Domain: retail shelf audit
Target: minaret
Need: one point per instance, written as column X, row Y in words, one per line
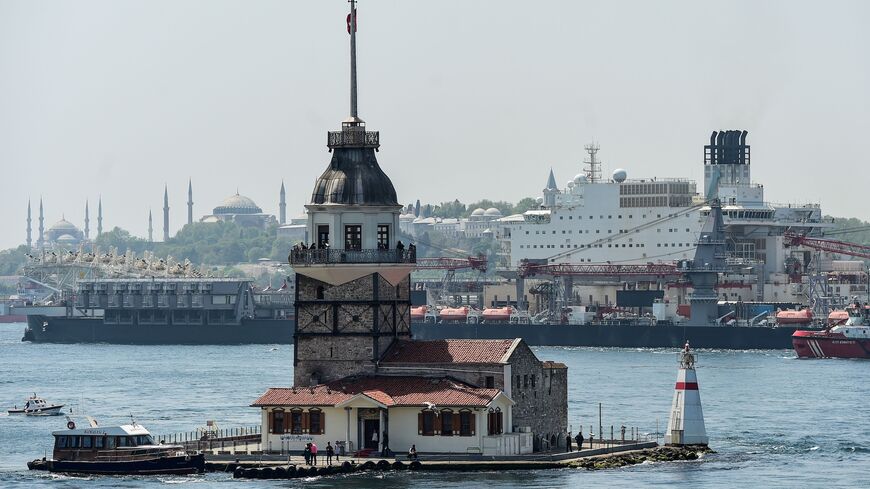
column 353, row 293
column 165, row 213
column 550, row 190
column 40, row 240
column 282, row 206
column 87, row 222
column 29, row 229
column 150, row 227
column 100, row 216
column 189, row 202
column 686, row 422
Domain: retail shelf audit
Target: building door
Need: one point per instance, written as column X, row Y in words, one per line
column 322, row 236
column 371, row 433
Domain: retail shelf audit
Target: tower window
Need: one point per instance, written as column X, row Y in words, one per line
column 353, row 237
column 383, row 236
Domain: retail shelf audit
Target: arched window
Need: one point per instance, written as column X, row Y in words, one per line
column 447, row 422
column 494, row 422
column 320, row 292
column 277, row 422
column 316, row 422
column 466, row 423
column 296, row 421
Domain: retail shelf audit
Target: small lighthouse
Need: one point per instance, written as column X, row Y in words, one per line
column 686, row 422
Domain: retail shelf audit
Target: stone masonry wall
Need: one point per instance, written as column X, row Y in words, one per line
column 540, row 394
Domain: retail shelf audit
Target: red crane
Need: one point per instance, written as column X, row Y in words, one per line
column 832, row 245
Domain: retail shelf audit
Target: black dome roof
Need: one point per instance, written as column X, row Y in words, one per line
column 354, row 178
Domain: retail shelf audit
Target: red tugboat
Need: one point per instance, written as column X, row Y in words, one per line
column 849, row 339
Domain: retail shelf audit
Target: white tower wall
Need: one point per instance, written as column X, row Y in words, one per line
column 686, row 422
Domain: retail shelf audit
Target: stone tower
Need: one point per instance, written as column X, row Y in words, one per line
column 352, row 293
column 189, row 202
column 165, row 213
column 87, row 222
column 282, row 206
column 29, row 228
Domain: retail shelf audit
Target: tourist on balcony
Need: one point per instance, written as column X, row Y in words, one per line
column 412, row 251
column 400, row 250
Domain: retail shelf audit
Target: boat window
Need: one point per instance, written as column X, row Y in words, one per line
column 99, row 441
column 87, row 442
column 110, row 442
column 122, row 441
column 60, row 442
column 73, row 442
column 144, row 440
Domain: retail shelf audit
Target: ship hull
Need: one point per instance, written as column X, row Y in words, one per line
column 45, row 329
column 815, row 344
column 617, row 335
column 191, row 464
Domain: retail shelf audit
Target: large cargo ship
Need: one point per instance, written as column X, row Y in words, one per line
column 168, row 311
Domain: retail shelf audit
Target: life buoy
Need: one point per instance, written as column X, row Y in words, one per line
column 71, row 425
column 187, row 458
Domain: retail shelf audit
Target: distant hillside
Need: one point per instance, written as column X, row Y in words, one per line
column 850, row 230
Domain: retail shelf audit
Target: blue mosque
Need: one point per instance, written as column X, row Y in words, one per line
column 236, row 208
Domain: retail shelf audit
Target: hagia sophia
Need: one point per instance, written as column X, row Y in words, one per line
column 236, row 208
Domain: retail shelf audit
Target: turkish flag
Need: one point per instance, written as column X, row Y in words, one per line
column 348, row 21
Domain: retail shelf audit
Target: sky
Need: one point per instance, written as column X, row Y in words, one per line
column 473, row 99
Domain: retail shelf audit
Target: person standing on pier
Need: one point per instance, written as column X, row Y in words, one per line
column 329, row 453
column 568, row 442
column 313, row 453
column 579, row 440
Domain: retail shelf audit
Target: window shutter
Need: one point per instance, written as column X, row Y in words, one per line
column 305, row 422
column 269, row 417
column 322, row 423
column 473, row 423
column 456, row 424
column 287, row 416
column 419, row 423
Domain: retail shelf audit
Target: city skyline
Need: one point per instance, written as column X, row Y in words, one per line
column 232, row 96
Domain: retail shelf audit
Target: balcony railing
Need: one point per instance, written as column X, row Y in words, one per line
column 321, row 257
column 366, row 139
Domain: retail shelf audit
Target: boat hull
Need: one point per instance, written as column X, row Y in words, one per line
column 46, row 329
column 616, row 335
column 819, row 344
column 190, row 464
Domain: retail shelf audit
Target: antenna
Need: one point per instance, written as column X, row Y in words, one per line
column 592, row 165
column 351, row 28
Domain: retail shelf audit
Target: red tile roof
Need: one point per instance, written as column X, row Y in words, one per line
column 449, row 351
column 389, row 391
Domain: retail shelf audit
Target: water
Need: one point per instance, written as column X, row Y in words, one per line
column 775, row 421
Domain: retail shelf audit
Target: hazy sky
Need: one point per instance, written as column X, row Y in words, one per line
column 473, row 99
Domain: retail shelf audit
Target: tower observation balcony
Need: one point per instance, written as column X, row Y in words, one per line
column 305, row 258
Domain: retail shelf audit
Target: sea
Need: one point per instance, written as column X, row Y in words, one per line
column 773, row 420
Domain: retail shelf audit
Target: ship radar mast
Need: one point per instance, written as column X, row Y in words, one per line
column 592, row 165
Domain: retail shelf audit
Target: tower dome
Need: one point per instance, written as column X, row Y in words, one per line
column 354, row 178
column 237, row 204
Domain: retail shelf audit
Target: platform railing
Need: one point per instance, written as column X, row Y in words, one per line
column 330, row 256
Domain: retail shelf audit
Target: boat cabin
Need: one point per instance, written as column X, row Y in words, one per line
column 97, row 442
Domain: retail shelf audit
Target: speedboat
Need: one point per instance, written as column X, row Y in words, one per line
column 37, row 406
column 116, row 450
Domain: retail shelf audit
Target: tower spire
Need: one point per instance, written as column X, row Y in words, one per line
column 165, row 213
column 189, row 201
column 351, row 29
column 100, row 216
column 150, row 227
column 87, row 222
column 282, row 205
column 40, row 240
column 29, row 228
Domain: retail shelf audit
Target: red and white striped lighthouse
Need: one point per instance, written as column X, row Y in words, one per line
column 686, row 423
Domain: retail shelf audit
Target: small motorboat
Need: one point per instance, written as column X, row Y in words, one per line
column 37, row 406
column 116, row 450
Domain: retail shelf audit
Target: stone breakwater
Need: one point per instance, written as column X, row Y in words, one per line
column 660, row 454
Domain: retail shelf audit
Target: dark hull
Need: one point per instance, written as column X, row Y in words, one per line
column 624, row 336
column 93, row 330
column 191, row 464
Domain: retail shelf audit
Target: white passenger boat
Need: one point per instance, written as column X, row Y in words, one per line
column 37, row 406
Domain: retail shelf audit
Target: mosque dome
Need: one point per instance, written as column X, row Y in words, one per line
column 478, row 212
column 66, row 238
column 492, row 212
column 354, row 178
column 64, row 227
column 237, row 204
